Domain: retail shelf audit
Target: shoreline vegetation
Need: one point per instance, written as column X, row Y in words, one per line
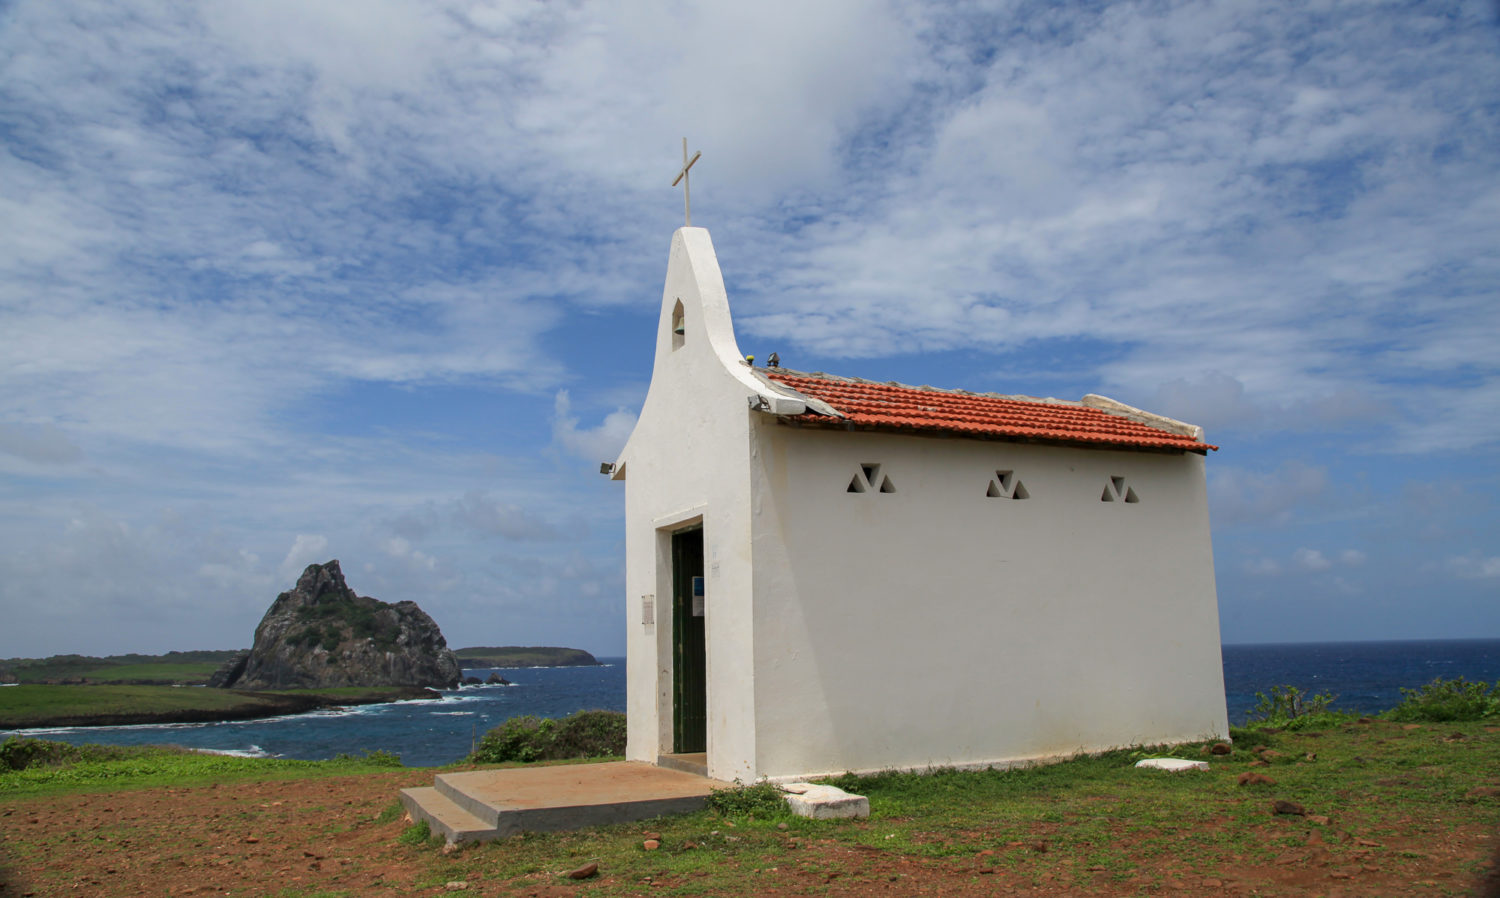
column 33, row 706
column 123, row 690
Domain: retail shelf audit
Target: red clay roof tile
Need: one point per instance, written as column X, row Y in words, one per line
column 897, row 407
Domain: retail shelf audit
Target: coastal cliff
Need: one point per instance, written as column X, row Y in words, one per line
column 321, row 635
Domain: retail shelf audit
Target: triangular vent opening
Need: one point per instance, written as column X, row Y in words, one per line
column 1005, row 485
column 1117, row 490
column 868, row 479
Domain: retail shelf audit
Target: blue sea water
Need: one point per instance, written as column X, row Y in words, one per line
column 1366, row 676
column 423, row 733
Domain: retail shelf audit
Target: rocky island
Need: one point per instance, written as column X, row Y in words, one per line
column 321, row 635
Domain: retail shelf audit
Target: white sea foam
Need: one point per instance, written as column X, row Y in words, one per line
column 254, row 751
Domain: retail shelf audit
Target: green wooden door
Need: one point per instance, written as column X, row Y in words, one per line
column 689, row 670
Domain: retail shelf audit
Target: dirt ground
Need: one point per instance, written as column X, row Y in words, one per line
column 325, row 836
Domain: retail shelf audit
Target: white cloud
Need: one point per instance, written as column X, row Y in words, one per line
column 600, row 443
column 1311, row 560
column 1474, row 567
column 1262, row 567
column 43, row 444
column 1240, row 496
column 306, row 549
column 401, row 549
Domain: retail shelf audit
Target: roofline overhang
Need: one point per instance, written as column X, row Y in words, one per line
column 815, row 423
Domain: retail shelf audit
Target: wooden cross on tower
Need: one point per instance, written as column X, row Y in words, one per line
column 687, row 203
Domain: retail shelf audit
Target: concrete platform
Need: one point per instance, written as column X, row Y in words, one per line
column 479, row 805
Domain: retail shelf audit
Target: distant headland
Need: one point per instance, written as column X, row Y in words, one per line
column 523, row 656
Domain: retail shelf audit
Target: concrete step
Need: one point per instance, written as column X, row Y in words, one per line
column 694, row 763
column 445, row 817
column 478, row 805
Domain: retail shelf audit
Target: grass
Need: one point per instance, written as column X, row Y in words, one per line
column 30, row 705
column 1080, row 823
column 187, row 674
column 98, row 768
column 193, row 666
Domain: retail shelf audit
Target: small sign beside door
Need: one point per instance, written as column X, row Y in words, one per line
column 697, row 597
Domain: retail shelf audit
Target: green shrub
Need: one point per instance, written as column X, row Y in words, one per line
column 518, row 739
column 20, row 752
column 1448, row 700
column 586, row 734
column 590, row 734
column 1287, row 703
column 755, row 800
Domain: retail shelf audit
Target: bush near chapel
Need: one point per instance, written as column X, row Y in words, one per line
column 1448, row 700
column 586, row 734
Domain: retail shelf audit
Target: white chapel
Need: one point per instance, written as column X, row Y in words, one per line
column 827, row 574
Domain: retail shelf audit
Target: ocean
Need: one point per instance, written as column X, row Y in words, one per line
column 1365, row 676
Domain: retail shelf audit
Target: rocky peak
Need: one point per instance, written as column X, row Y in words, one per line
column 322, row 635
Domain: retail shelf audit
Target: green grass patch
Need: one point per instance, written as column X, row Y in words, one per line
column 187, row 674
column 29, row 705
column 89, row 768
column 169, row 666
column 1094, row 820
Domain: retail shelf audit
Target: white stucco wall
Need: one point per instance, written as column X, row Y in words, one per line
column 938, row 626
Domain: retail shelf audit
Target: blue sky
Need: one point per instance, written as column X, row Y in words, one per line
column 288, row 280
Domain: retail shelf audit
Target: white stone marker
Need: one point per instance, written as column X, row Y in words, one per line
column 1172, row 765
column 824, row 802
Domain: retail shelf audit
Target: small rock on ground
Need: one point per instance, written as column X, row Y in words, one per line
column 584, row 872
